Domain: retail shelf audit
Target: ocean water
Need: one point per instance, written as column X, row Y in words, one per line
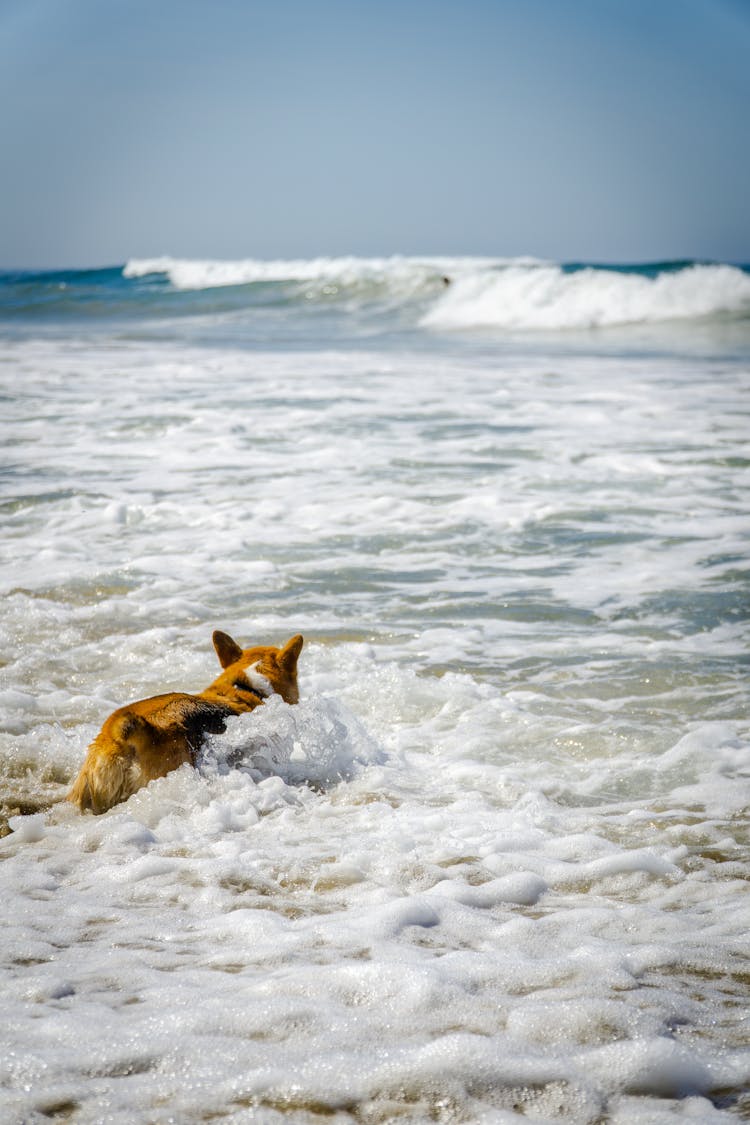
column 494, row 866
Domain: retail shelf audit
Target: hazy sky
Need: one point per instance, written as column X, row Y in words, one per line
column 567, row 129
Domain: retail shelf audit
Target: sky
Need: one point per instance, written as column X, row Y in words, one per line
column 597, row 130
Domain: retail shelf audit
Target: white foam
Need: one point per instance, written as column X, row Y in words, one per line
column 400, row 273
column 519, row 293
column 317, row 741
column 548, row 298
column 492, row 863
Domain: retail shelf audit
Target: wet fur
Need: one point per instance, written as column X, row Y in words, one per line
column 149, row 738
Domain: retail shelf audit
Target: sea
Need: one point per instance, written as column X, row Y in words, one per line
column 494, row 866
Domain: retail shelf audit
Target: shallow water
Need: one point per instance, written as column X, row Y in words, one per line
column 494, row 866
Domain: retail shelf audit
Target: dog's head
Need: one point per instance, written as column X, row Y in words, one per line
column 261, row 670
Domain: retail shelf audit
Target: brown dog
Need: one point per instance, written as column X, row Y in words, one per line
column 147, row 739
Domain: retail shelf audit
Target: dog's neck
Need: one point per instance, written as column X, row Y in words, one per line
column 248, row 689
column 242, row 692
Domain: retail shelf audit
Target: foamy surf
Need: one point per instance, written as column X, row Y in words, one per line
column 470, row 293
column 493, row 866
column 547, row 297
column 317, row 742
column 400, row 273
column 432, row 930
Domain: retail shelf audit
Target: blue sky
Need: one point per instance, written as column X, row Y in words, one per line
column 568, row 129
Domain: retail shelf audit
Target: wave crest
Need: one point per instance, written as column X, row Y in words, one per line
column 548, row 297
column 465, row 293
column 398, row 273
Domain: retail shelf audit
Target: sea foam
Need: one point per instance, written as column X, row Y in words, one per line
column 400, row 274
column 493, row 866
column 547, row 297
column 467, row 293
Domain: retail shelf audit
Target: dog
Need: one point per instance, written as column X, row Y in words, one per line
column 151, row 737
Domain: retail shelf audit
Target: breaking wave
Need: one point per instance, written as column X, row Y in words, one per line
column 435, row 294
column 547, row 296
column 521, row 293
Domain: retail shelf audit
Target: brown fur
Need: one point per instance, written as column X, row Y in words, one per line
column 147, row 739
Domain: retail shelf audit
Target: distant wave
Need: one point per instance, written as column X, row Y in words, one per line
column 187, row 273
column 520, row 293
column 396, row 277
column 435, row 294
column 546, row 297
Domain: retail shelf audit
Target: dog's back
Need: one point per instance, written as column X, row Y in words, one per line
column 154, row 736
column 141, row 742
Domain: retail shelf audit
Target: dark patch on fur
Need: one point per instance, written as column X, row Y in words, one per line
column 200, row 718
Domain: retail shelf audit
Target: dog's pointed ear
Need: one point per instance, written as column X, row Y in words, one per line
column 290, row 652
column 227, row 650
